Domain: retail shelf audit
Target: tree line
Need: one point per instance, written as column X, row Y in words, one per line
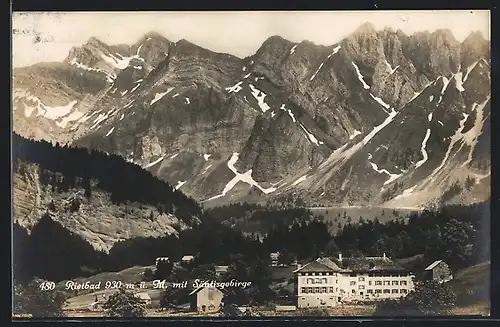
column 454, row 234
column 255, row 218
column 457, row 234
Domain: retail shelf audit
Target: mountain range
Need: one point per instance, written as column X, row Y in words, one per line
column 380, row 118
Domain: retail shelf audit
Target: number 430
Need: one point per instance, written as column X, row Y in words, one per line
column 47, row 286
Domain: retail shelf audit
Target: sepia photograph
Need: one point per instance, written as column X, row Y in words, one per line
column 196, row 164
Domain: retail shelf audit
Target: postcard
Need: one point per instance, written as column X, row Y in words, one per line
column 251, row 164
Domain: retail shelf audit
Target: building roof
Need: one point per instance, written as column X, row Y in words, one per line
column 274, row 255
column 433, row 265
column 202, row 287
column 366, row 264
column 329, row 263
column 187, row 257
column 143, row 296
column 362, row 264
column 319, row 265
column 221, row 268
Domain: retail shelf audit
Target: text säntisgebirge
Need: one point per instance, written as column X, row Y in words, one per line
column 155, row 284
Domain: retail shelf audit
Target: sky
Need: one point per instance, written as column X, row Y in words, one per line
column 47, row 37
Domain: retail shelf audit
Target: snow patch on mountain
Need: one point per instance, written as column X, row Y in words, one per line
column 100, row 119
column 235, row 88
column 259, row 96
column 454, row 139
column 135, row 87
column 206, row 156
column 73, row 116
column 392, row 177
column 354, row 134
column 245, row 177
column 28, row 110
column 311, row 137
column 175, row 95
column 381, row 102
column 471, row 136
column 57, row 112
column 422, row 149
column 124, row 92
column 120, row 63
column 316, row 72
column 109, row 76
column 293, row 49
column 158, row 96
column 123, row 115
column 290, row 113
column 446, row 81
column 300, row 180
column 173, row 156
column 247, row 75
column 206, row 169
column 360, row 77
column 128, row 104
column 431, row 98
column 391, row 71
column 110, row 131
column 341, row 154
column 469, row 69
column 458, row 82
column 406, row 193
column 154, row 162
column 335, row 50
column 188, row 101
column 87, row 116
column 179, row 184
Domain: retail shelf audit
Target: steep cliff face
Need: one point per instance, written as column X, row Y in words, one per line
column 98, row 220
column 368, row 120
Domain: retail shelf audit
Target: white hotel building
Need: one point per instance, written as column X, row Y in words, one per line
column 327, row 282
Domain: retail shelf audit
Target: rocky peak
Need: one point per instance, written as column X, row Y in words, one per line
column 95, row 42
column 274, row 43
column 364, row 29
column 473, row 48
column 155, row 36
column 475, row 37
column 444, row 41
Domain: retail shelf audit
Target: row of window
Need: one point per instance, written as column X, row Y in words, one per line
column 385, row 283
column 353, row 283
column 350, row 275
column 318, row 281
column 314, row 290
column 387, row 291
column 318, row 274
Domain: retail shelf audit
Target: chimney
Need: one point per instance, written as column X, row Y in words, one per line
column 340, row 257
column 384, row 256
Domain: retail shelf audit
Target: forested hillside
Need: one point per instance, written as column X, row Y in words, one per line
column 79, row 167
